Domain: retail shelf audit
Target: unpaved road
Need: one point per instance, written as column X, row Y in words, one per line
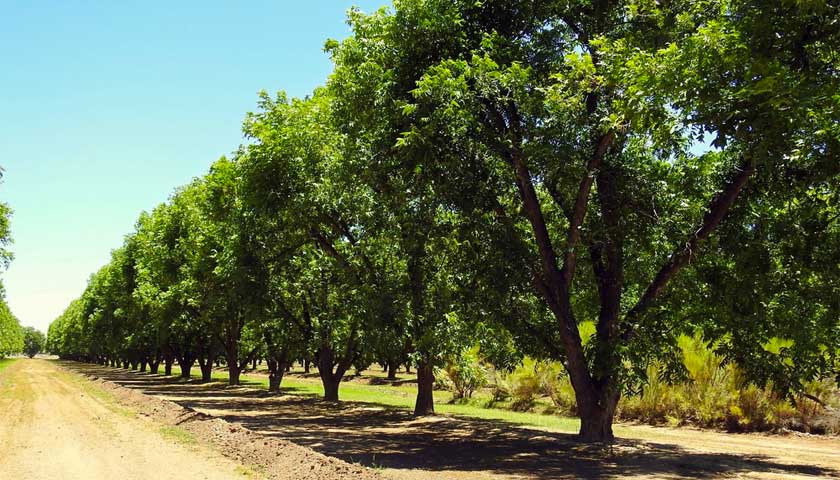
column 458, row 448
column 55, row 425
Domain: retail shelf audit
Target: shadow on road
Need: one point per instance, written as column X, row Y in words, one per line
column 378, row 436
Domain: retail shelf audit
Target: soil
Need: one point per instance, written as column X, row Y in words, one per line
column 448, row 447
column 58, row 425
column 53, row 428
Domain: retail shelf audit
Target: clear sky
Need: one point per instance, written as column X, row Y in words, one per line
column 106, row 107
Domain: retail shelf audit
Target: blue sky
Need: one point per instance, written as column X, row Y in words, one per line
column 106, row 107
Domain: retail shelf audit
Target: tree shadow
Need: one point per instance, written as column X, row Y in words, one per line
column 381, row 436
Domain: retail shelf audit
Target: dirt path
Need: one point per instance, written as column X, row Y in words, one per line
column 439, row 448
column 57, row 426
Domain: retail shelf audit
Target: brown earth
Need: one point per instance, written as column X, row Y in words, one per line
column 447, row 447
column 57, row 425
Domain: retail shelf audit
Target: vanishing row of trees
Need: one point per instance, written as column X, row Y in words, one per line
column 11, row 333
column 496, row 173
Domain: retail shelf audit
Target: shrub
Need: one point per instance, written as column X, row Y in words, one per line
column 658, row 402
column 524, row 385
column 465, row 374
column 500, row 387
column 555, row 384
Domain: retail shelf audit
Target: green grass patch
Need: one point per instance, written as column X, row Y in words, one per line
column 5, row 362
column 178, row 435
column 402, row 397
column 7, row 384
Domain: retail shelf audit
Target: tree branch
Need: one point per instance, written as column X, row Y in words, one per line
column 718, row 208
column 579, row 210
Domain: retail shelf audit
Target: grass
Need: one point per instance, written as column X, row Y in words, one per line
column 5, row 362
column 178, row 434
column 247, row 472
column 6, row 383
column 402, row 397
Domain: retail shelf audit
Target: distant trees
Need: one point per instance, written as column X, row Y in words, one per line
column 33, row 341
column 495, row 174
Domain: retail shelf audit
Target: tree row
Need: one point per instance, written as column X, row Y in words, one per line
column 498, row 174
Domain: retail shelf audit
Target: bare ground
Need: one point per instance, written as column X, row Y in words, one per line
column 58, row 425
column 52, row 427
column 447, row 447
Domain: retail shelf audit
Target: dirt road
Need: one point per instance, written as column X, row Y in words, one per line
column 458, row 448
column 54, row 425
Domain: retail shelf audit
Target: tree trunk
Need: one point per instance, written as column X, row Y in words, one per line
column 596, row 420
column 254, row 363
column 143, row 364
column 392, row 370
column 154, row 366
column 186, row 364
column 425, row 404
column 125, row 364
column 206, row 366
column 408, row 368
column 167, row 365
column 133, row 364
column 328, row 379
column 306, row 365
column 274, row 382
column 330, row 388
column 233, row 372
column 276, row 369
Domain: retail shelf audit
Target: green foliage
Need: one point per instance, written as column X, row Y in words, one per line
column 11, row 333
column 33, row 341
column 465, row 373
column 717, row 394
column 584, row 186
column 5, row 235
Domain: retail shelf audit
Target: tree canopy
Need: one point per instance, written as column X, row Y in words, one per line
column 33, row 341
column 497, row 172
column 11, row 335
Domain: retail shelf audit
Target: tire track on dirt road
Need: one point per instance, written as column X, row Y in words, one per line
column 56, row 426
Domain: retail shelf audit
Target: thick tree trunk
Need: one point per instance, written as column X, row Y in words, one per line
column 125, row 364
column 274, row 381
column 276, row 369
column 306, row 365
column 330, row 388
column 186, row 364
column 596, row 419
column 206, row 366
column 425, row 404
column 392, row 370
column 330, row 380
column 154, row 366
column 167, row 365
column 133, row 364
column 143, row 364
column 233, row 372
